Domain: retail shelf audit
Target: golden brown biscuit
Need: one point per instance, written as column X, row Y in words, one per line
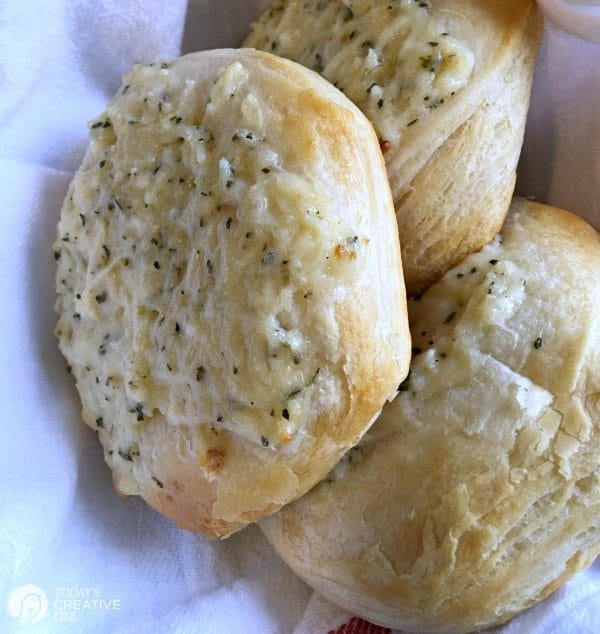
column 230, row 288
column 446, row 85
column 477, row 492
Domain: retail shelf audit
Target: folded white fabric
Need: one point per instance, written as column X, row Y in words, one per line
column 74, row 557
column 578, row 17
column 560, row 161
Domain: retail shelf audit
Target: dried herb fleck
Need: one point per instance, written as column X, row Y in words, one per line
column 450, row 317
column 126, row 455
column 139, row 408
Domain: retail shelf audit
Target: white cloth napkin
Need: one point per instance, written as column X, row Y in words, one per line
column 575, row 16
column 74, row 557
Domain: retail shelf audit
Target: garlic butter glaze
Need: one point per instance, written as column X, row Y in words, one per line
column 231, row 294
column 446, row 85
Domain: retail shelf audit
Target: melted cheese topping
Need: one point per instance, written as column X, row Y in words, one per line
column 476, row 343
column 198, row 272
column 396, row 61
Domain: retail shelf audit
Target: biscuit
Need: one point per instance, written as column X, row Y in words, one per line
column 446, row 84
column 477, row 491
column 230, row 286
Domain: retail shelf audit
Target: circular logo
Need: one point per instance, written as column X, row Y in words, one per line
column 27, row 604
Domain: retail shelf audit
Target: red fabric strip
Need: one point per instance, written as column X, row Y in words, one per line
column 357, row 625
